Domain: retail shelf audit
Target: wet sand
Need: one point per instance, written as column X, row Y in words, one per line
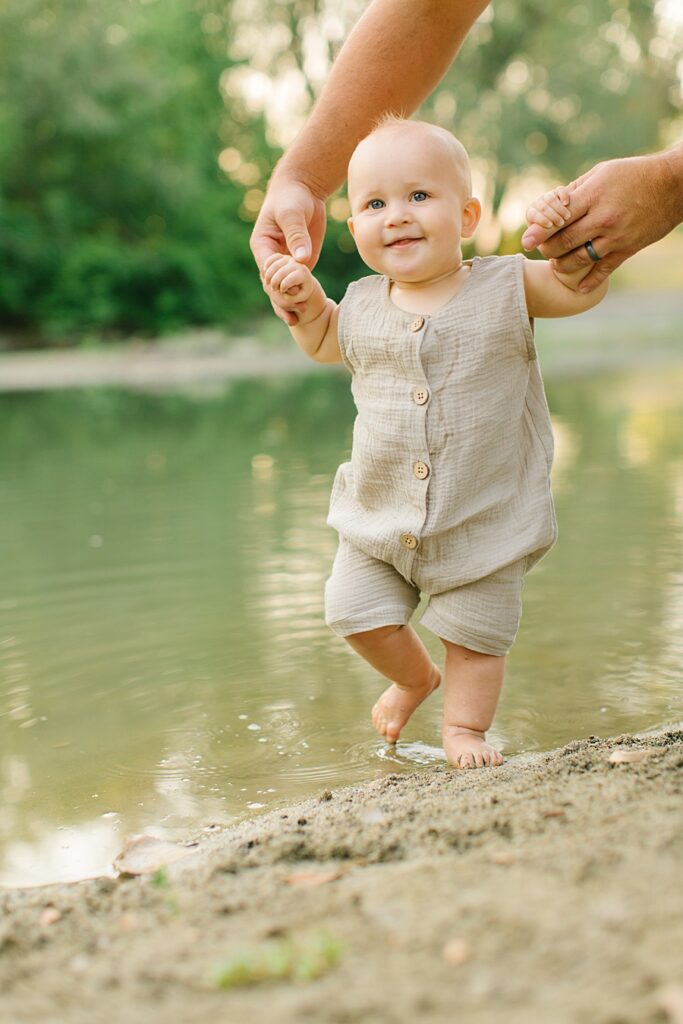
column 549, row 890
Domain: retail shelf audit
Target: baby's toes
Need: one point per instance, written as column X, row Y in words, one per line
column 392, row 732
column 466, row 761
column 493, row 758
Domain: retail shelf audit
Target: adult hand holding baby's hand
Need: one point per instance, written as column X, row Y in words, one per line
column 292, row 220
column 288, row 282
column 550, row 212
column 618, row 207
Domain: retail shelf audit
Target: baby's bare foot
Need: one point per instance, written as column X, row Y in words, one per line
column 397, row 703
column 467, row 748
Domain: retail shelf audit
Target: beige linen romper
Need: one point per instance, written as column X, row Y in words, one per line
column 448, row 487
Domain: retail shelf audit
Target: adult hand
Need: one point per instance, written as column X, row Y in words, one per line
column 620, row 206
column 291, row 221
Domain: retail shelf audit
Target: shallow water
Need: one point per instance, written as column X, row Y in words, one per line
column 164, row 665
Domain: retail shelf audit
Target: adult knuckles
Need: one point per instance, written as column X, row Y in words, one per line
column 609, row 219
column 564, row 242
column 570, row 238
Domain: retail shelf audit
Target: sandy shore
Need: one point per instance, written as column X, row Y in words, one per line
column 549, row 890
column 200, row 361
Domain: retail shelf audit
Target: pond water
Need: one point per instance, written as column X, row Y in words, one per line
column 164, row 665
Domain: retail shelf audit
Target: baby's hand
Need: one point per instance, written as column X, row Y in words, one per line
column 290, row 279
column 551, row 210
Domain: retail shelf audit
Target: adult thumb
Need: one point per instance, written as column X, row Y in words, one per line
column 533, row 236
column 293, row 226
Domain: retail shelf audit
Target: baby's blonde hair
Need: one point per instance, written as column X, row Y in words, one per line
column 457, row 150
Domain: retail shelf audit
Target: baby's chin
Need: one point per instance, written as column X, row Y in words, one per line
column 422, row 279
column 418, row 275
column 411, row 278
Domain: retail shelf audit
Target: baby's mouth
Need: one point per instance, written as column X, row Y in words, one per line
column 403, row 243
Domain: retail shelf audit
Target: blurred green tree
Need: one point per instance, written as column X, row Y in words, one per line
column 136, row 138
column 114, row 215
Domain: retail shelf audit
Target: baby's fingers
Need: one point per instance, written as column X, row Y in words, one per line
column 564, row 193
column 273, row 264
column 551, row 209
column 274, row 259
column 293, row 282
column 279, row 274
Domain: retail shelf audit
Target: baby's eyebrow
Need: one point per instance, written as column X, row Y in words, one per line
column 364, row 197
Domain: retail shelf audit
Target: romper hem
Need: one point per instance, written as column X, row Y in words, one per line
column 463, row 637
column 387, row 616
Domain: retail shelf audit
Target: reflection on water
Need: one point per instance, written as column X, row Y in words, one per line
column 164, row 665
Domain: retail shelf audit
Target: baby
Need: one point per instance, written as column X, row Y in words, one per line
column 448, row 489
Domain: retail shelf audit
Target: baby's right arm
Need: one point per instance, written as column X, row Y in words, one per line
column 316, row 330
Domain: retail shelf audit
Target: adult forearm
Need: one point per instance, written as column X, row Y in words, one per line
column 394, row 57
column 672, row 164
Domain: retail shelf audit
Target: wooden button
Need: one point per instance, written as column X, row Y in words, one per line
column 420, row 396
column 408, row 541
column 417, row 324
column 421, row 470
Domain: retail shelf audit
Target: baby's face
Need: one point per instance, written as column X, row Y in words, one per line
column 410, row 204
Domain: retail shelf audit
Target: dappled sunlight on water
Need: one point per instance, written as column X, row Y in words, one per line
column 164, row 664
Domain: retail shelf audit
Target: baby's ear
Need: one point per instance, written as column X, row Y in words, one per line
column 349, row 224
column 471, row 215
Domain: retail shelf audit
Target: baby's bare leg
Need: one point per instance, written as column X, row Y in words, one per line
column 472, row 685
column 399, row 654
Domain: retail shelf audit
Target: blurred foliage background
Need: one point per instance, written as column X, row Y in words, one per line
column 137, row 136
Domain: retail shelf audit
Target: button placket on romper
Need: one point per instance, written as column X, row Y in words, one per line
column 419, row 468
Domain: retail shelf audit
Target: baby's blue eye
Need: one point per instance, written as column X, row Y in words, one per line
column 376, row 204
column 419, row 197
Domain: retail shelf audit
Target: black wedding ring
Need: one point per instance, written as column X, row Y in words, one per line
column 592, row 253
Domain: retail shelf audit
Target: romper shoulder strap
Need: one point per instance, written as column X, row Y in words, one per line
column 362, row 301
column 502, row 279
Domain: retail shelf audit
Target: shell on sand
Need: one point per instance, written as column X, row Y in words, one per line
column 631, row 756
column 143, row 855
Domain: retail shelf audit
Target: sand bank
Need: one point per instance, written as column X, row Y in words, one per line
column 549, row 890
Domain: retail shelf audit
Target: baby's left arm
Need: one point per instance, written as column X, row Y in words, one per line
column 550, row 293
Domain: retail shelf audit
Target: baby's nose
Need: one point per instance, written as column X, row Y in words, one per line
column 397, row 213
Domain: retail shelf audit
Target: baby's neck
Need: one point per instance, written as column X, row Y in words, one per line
column 428, row 296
